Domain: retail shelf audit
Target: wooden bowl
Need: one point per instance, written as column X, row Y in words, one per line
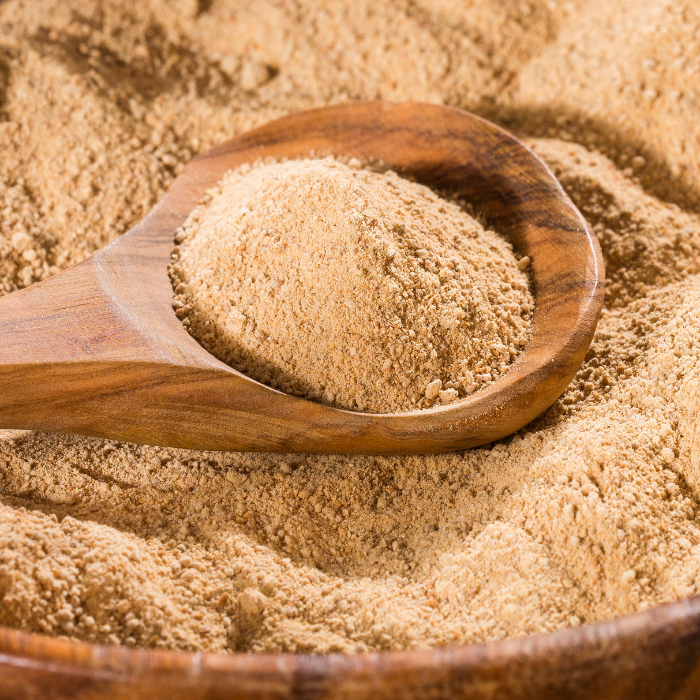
column 648, row 656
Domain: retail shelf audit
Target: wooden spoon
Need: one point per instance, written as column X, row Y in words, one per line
column 98, row 350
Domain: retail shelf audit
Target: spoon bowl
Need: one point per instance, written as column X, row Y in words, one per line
column 98, row 350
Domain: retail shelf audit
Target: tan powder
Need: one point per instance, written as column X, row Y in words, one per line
column 589, row 513
column 358, row 289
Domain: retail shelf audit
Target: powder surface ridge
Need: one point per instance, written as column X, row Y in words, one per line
column 359, row 289
column 589, row 513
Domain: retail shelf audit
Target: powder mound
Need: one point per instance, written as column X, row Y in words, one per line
column 355, row 288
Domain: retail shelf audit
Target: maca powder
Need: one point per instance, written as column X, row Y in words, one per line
column 588, row 513
column 361, row 290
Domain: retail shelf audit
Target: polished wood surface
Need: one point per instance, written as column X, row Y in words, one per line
column 653, row 655
column 99, row 351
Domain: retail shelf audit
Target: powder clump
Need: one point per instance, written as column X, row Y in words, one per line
column 355, row 288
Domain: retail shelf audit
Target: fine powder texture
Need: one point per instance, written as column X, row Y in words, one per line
column 357, row 289
column 589, row 513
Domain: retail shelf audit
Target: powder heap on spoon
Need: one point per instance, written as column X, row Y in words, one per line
column 348, row 286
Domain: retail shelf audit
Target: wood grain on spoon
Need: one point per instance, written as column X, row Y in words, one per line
column 99, row 351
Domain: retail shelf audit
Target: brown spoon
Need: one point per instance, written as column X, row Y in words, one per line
column 98, row 350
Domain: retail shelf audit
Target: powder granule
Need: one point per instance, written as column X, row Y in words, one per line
column 359, row 289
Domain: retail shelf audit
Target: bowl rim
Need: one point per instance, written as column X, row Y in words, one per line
column 663, row 632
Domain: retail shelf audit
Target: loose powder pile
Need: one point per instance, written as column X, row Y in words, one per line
column 358, row 289
column 590, row 512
